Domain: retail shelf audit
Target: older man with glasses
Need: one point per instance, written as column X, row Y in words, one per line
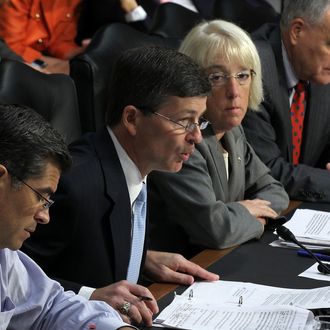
column 291, row 132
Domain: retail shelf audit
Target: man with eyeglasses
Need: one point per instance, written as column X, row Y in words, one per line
column 98, row 234
column 291, row 132
column 224, row 194
column 32, row 157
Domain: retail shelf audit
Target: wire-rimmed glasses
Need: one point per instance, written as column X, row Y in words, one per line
column 188, row 127
column 47, row 202
column 221, row 78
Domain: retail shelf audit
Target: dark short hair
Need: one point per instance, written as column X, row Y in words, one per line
column 147, row 76
column 28, row 142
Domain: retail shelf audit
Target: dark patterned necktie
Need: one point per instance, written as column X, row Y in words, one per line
column 297, row 119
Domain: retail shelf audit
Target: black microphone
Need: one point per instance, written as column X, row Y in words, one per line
column 287, row 235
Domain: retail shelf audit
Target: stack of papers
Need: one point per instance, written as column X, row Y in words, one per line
column 312, row 228
column 237, row 305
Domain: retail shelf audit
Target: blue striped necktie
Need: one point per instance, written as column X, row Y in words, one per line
column 138, row 234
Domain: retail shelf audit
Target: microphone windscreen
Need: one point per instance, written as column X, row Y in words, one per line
column 322, row 269
column 286, row 234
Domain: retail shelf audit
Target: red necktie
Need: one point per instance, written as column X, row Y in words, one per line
column 297, row 119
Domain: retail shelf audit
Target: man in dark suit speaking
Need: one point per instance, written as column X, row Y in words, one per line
column 291, row 132
column 98, row 228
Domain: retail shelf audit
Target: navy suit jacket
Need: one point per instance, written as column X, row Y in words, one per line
column 87, row 241
column 205, row 8
column 96, row 13
column 269, row 131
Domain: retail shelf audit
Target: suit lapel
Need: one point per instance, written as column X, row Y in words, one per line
column 236, row 181
column 214, row 150
column 117, row 191
column 313, row 120
column 272, row 66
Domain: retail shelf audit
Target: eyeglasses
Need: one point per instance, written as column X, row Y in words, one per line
column 189, row 127
column 47, row 202
column 221, row 78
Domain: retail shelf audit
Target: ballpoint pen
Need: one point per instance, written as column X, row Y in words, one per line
column 145, row 298
column 240, row 301
column 321, row 256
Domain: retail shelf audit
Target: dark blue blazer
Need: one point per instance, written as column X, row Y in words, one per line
column 87, row 241
column 96, row 13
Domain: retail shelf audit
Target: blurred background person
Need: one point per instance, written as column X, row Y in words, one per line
column 42, row 32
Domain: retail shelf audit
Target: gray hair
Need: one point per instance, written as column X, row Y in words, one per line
column 312, row 11
column 210, row 40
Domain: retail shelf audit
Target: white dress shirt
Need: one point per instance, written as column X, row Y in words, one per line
column 291, row 77
column 132, row 174
column 137, row 14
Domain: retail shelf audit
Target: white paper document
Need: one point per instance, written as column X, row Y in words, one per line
column 239, row 305
column 197, row 315
column 313, row 273
column 229, row 293
column 285, row 244
column 310, row 226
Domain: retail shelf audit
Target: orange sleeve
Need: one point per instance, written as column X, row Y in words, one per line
column 14, row 20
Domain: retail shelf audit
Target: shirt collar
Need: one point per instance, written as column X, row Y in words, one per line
column 291, row 77
column 132, row 174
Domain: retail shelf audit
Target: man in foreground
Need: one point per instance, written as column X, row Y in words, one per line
column 32, row 156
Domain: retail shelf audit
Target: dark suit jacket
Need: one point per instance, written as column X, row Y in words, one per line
column 96, row 13
column 269, row 131
column 87, row 241
column 205, row 8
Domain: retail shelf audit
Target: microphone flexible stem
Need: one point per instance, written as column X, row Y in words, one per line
column 287, row 235
column 324, row 267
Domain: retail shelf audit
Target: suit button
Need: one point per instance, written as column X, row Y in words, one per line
column 37, row 15
column 68, row 15
column 40, row 41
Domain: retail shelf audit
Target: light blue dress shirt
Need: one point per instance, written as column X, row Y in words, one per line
column 31, row 300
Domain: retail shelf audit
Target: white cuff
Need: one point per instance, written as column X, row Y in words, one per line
column 86, row 292
column 137, row 14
